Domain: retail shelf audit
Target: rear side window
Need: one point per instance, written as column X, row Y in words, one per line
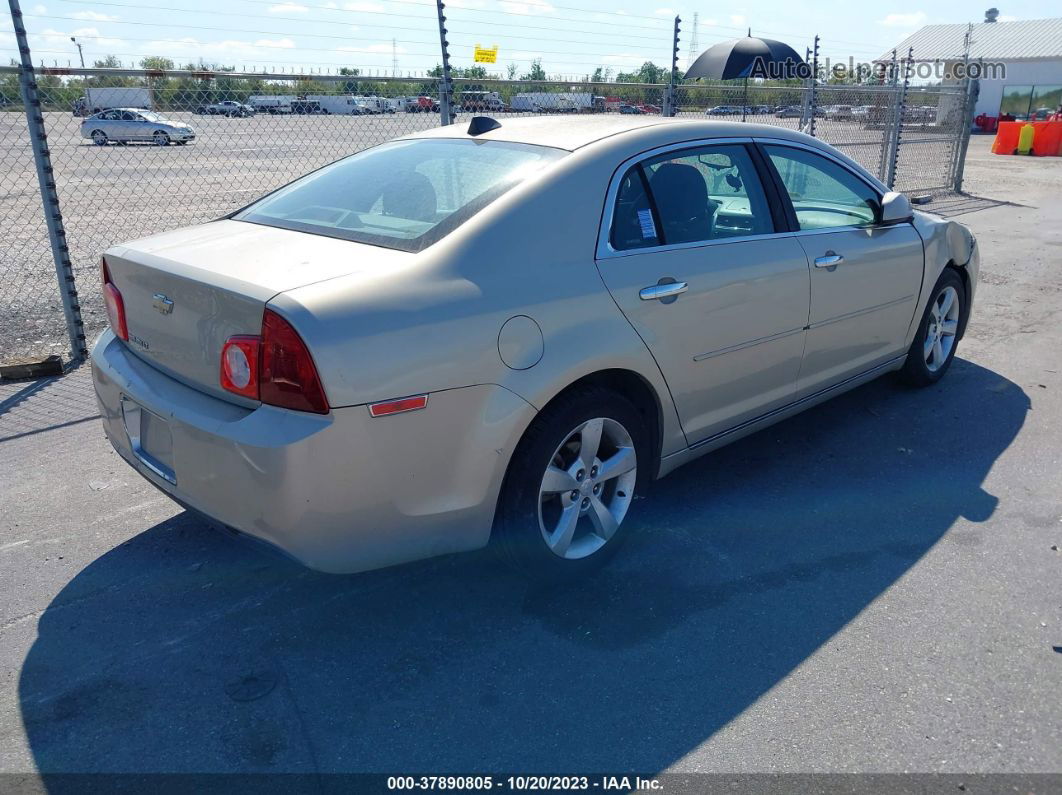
column 824, row 194
column 694, row 195
column 404, row 195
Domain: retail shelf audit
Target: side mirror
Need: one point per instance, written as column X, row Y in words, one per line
column 895, row 208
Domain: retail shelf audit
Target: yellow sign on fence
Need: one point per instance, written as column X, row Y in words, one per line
column 486, row 55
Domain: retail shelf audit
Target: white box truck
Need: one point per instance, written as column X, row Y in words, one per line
column 374, row 104
column 99, row 99
column 271, row 103
column 335, row 104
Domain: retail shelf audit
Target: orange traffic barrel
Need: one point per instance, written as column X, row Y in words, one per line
column 1048, row 140
column 1006, row 138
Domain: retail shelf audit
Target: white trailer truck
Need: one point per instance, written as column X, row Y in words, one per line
column 99, row 99
column 562, row 102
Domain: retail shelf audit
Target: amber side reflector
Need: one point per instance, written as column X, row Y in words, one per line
column 398, row 406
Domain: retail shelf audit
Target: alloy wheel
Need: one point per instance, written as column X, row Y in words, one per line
column 942, row 329
column 587, row 488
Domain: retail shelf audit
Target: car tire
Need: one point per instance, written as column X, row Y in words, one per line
column 160, row 138
column 545, row 530
column 937, row 338
column 99, row 137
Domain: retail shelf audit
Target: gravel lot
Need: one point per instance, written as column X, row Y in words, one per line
column 871, row 587
column 116, row 193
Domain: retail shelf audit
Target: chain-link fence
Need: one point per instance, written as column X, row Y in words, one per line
column 133, row 152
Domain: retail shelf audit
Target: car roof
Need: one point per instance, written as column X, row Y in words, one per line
column 575, row 132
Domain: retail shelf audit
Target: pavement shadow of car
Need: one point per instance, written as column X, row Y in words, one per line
column 181, row 650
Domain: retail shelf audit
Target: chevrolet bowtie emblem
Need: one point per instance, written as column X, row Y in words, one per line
column 163, row 304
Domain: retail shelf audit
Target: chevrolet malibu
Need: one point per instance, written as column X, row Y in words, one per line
column 503, row 333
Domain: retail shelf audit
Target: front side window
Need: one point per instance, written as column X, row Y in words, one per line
column 824, row 194
column 404, row 195
column 695, row 195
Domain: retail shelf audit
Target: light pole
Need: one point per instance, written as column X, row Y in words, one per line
column 80, row 54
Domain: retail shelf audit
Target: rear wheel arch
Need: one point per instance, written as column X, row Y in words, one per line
column 630, row 385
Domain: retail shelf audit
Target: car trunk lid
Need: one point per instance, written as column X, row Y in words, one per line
column 186, row 292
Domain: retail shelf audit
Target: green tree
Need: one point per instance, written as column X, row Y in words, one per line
column 156, row 62
column 536, row 73
column 108, row 62
column 647, row 73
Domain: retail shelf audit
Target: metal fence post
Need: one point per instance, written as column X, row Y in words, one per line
column 53, row 216
column 668, row 108
column 813, row 99
column 887, row 123
column 901, row 109
column 446, row 87
column 970, row 103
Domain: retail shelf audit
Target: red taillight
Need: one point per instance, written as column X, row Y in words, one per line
column 275, row 368
column 112, row 299
column 239, row 365
column 288, row 376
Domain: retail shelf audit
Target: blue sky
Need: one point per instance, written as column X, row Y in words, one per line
column 572, row 37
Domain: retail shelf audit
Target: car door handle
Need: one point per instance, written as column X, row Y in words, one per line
column 658, row 291
column 829, row 260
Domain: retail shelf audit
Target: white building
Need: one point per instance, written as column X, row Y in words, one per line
column 1028, row 53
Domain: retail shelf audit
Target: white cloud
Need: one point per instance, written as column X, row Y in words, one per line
column 94, row 16
column 286, row 44
column 623, row 59
column 739, row 19
column 38, row 9
column 288, row 8
column 361, row 6
column 912, row 20
column 374, row 48
column 665, row 12
column 61, row 39
column 527, row 7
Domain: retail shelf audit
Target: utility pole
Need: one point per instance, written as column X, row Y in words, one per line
column 80, row 54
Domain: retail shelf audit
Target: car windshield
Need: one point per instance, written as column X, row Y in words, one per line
column 404, row 195
column 149, row 116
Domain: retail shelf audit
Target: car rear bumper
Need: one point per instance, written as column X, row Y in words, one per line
column 340, row 492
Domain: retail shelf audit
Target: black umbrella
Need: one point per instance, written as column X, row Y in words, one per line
column 749, row 57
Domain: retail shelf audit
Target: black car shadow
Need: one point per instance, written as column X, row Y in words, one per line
column 181, row 650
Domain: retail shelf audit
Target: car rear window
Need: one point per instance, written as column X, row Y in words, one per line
column 404, row 195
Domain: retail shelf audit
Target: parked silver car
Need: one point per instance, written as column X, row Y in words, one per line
column 504, row 333
column 123, row 125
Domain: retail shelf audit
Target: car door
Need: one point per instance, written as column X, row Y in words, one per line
column 111, row 124
column 865, row 277
column 690, row 252
column 140, row 129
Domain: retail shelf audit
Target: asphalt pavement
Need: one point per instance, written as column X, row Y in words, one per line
column 872, row 586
